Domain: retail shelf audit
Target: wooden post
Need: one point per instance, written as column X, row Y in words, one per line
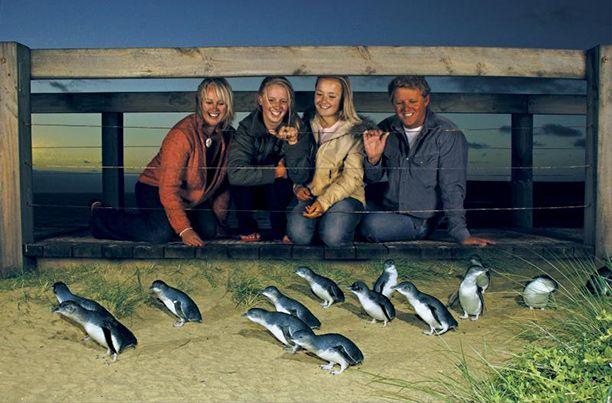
column 598, row 183
column 522, row 178
column 16, row 218
column 112, row 159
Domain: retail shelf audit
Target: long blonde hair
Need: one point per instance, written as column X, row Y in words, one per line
column 347, row 110
column 224, row 92
column 283, row 82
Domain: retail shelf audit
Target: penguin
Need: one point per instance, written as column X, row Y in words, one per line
column 281, row 325
column 538, row 290
column 387, row 279
column 63, row 293
column 284, row 304
column 322, row 287
column 103, row 328
column 429, row 309
column 374, row 303
column 469, row 293
column 177, row 302
column 332, row 347
column 600, row 283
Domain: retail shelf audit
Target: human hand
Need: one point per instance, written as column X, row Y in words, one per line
column 477, row 241
column 314, row 210
column 374, row 142
column 191, row 238
column 289, row 134
column 280, row 171
column 302, row 193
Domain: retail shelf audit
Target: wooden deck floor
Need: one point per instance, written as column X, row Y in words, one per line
column 559, row 243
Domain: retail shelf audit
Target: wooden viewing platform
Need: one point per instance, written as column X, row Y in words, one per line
column 548, row 243
column 19, row 65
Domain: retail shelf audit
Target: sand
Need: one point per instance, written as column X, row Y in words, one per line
column 228, row 357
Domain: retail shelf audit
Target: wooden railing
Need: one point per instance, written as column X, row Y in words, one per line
column 19, row 65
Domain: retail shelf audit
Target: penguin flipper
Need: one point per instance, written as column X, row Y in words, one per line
column 453, row 298
column 336, row 293
column 385, row 304
column 379, row 285
column 106, row 330
column 342, row 351
column 287, row 335
column 481, row 300
column 179, row 310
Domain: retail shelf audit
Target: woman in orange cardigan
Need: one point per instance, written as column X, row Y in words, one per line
column 183, row 191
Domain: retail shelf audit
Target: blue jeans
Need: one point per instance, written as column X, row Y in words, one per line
column 386, row 226
column 336, row 227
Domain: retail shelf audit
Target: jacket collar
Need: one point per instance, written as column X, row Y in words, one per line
column 342, row 130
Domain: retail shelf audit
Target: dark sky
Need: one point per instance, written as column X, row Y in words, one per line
column 154, row 23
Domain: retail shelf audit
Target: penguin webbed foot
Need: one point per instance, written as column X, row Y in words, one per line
column 474, row 318
column 180, row 323
column 342, row 368
column 292, row 349
column 430, row 333
column 464, row 316
column 327, row 367
column 373, row 321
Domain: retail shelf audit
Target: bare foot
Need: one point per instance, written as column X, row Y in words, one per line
column 254, row 237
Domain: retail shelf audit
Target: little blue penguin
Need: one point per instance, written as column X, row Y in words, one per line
column 538, row 290
column 387, row 279
column 374, row 303
column 428, row 308
column 281, row 325
column 470, row 294
column 101, row 327
column 322, row 287
column 332, row 347
column 600, row 283
column 63, row 293
column 177, row 302
column 284, row 304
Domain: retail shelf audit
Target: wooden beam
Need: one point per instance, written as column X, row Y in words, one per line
column 113, row 187
column 598, row 185
column 16, row 218
column 522, row 172
column 131, row 102
column 306, row 61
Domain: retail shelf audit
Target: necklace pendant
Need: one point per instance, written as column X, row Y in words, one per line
column 208, row 142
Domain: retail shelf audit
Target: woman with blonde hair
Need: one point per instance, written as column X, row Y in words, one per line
column 267, row 156
column 331, row 202
column 183, row 190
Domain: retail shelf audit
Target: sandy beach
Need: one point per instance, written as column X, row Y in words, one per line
column 228, row 357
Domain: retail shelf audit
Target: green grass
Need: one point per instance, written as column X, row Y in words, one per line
column 568, row 357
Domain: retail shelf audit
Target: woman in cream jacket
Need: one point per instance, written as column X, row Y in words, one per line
column 330, row 204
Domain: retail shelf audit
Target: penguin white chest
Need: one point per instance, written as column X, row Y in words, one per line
column 372, row 308
column 320, row 292
column 469, row 299
column 391, row 282
column 332, row 355
column 425, row 313
column 168, row 303
column 96, row 333
column 278, row 333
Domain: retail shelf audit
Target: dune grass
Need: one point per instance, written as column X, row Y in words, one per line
column 568, row 356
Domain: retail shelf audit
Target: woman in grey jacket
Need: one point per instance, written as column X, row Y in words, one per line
column 265, row 158
column 331, row 202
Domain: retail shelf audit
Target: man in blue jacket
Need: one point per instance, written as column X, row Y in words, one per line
column 424, row 156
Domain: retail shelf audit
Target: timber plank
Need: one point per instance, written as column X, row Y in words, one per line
column 148, row 251
column 123, row 250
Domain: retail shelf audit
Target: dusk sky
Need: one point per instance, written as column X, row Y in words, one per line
column 559, row 140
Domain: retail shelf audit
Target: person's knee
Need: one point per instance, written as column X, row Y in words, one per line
column 369, row 230
column 299, row 232
column 337, row 236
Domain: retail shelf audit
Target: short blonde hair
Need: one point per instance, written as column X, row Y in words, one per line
column 223, row 90
column 347, row 110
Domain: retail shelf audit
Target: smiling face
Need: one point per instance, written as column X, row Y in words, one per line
column 213, row 107
column 328, row 95
column 275, row 102
column 410, row 106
